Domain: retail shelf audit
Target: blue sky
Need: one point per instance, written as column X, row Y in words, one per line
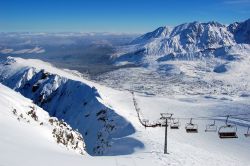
column 114, row 15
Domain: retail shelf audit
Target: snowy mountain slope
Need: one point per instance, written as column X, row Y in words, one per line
column 189, row 59
column 27, row 142
column 184, row 38
column 241, row 31
column 25, row 127
column 160, row 32
column 72, row 100
column 185, row 149
column 225, row 72
column 195, row 39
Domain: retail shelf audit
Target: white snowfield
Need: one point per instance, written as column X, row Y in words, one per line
column 31, row 144
column 189, row 59
column 23, row 140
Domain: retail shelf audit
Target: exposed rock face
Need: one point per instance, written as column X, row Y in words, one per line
column 75, row 102
column 61, row 131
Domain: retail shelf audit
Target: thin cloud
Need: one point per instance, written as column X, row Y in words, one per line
column 239, row 2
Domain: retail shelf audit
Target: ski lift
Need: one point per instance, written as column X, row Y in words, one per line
column 175, row 124
column 211, row 127
column 248, row 132
column 228, row 130
column 191, row 128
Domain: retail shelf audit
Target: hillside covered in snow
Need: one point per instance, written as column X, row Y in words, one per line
column 193, row 37
column 28, row 131
column 75, row 102
column 129, row 142
column 188, row 41
column 189, row 59
column 198, row 72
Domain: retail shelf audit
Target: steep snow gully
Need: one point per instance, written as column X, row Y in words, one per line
column 80, row 105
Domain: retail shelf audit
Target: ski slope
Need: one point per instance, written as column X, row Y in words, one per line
column 184, row 149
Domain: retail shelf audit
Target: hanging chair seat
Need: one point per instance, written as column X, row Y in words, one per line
column 228, row 135
column 174, row 127
column 175, row 124
column 191, row 128
column 211, row 128
column 228, row 131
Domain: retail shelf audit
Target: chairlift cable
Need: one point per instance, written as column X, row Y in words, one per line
column 211, row 117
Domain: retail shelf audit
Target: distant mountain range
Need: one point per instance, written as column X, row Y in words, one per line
column 194, row 37
column 191, row 58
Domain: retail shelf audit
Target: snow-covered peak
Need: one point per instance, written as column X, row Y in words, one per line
column 241, row 31
column 160, row 32
column 195, row 27
column 188, row 40
column 189, row 37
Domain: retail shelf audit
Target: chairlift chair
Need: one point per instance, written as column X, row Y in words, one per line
column 248, row 132
column 211, row 127
column 175, row 124
column 191, row 128
column 228, row 130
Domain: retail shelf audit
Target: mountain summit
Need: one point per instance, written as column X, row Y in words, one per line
column 193, row 37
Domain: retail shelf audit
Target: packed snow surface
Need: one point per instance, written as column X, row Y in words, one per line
column 140, row 147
